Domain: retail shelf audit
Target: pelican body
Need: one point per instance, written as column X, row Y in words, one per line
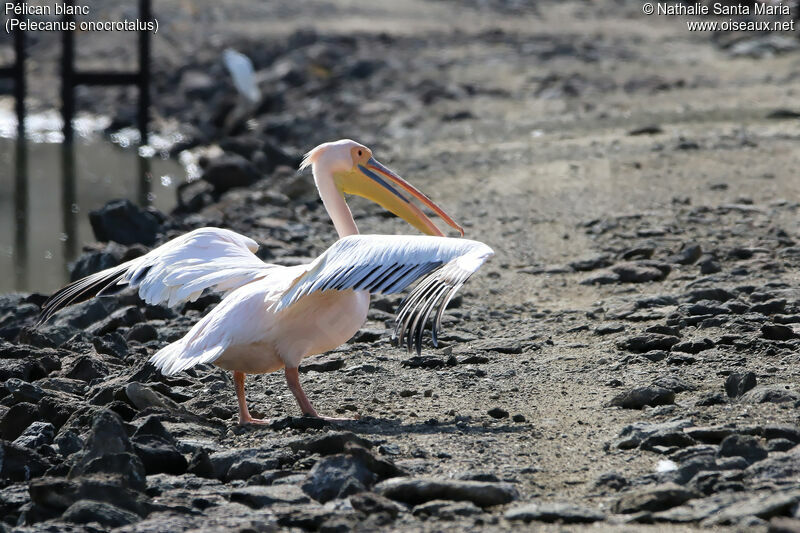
column 273, row 316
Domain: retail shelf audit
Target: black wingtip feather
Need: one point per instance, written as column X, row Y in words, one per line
column 434, row 292
column 78, row 291
column 415, row 313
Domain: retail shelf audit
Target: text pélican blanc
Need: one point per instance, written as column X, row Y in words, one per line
column 25, row 9
column 12, row 8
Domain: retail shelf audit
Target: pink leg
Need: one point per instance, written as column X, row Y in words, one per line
column 244, row 413
column 293, row 380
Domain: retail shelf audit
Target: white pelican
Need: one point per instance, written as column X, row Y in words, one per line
column 274, row 316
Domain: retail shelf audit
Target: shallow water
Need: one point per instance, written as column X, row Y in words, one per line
column 48, row 189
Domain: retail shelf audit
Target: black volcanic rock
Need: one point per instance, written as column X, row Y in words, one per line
column 737, row 383
column 158, row 455
column 105, row 514
column 157, row 448
column 641, row 271
column 18, row 463
column 57, row 493
column 420, row 490
column 777, row 332
column 746, row 446
column 108, row 450
column 642, row 396
column 656, row 498
column 647, row 342
column 16, row 419
column 125, row 223
column 560, row 512
column 228, row 172
column 338, row 476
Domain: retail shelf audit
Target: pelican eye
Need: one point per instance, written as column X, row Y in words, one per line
column 360, row 153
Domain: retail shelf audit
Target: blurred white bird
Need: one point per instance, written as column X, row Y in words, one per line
column 243, row 74
column 275, row 316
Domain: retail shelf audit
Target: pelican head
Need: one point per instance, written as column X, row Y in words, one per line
column 354, row 171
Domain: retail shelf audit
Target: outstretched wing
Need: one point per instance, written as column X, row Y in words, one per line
column 176, row 271
column 388, row 264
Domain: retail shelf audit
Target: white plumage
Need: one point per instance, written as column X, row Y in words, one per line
column 274, row 316
column 176, row 271
column 383, row 263
column 182, row 268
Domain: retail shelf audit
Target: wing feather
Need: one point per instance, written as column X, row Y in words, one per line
column 176, row 271
column 388, row 264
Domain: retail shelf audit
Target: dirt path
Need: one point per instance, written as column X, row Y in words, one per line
column 638, row 183
column 547, row 150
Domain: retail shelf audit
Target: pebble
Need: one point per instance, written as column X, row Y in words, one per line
column 109, row 450
column 777, row 332
column 158, row 450
column 709, row 265
column 590, row 263
column 612, row 480
column 370, row 503
column 647, row 342
column 497, row 412
column 693, row 347
column 424, row 361
column 640, row 397
column 746, row 446
column 57, row 494
column 689, row 253
column 330, row 443
column 86, row 369
column 22, row 391
column 142, row 333
column 607, row 329
column 338, row 476
column 415, row 491
column 446, row 510
column 656, row 498
column 780, row 445
column 260, row 496
column 711, row 398
column 782, row 431
column 771, row 394
column 229, row 171
column 674, row 383
column 328, row 364
column 738, row 383
column 770, row 307
column 784, row 525
column 632, row 435
column 105, row 514
column 565, row 513
column 778, row 466
column 763, row 505
column 641, row 271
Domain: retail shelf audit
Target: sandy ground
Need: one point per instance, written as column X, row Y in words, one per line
column 541, row 164
column 525, row 173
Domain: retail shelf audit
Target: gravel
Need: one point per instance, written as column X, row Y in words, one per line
column 637, row 314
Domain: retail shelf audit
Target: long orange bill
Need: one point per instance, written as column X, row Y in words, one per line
column 374, row 166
